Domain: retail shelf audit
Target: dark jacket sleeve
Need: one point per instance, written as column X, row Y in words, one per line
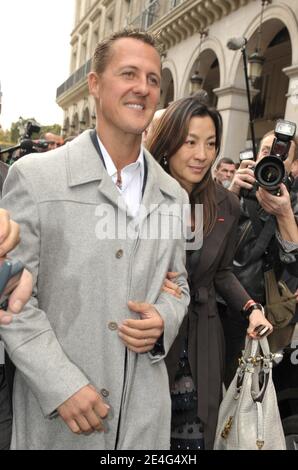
column 289, row 258
column 226, row 283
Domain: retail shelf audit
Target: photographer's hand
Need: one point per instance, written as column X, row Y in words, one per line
column 275, row 205
column 244, row 177
column 280, row 207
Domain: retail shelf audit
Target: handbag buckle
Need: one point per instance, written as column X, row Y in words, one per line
column 260, row 444
column 227, row 428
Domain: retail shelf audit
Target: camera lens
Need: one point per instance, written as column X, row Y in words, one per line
column 270, row 172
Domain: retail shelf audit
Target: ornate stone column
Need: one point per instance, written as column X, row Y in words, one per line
column 232, row 105
column 291, row 113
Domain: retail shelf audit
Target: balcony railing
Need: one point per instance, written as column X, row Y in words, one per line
column 77, row 77
column 175, row 3
column 148, row 16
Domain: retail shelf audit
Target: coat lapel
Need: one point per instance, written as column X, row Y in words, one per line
column 212, row 245
column 156, row 189
column 84, row 166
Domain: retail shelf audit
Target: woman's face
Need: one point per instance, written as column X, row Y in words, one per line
column 191, row 162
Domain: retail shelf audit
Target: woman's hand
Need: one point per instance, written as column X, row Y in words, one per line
column 20, row 294
column 170, row 286
column 9, row 233
column 259, row 326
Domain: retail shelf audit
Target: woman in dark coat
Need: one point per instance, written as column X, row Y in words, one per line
column 186, row 142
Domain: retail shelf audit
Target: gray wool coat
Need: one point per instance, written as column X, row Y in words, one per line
column 66, row 337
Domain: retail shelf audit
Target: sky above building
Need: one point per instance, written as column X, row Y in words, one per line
column 34, row 58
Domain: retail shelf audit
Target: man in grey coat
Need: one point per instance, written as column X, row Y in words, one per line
column 90, row 344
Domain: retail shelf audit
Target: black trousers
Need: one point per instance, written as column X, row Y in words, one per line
column 6, row 380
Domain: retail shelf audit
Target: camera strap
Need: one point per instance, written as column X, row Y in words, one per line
column 264, row 233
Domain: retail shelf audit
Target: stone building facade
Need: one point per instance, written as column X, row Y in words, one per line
column 194, row 34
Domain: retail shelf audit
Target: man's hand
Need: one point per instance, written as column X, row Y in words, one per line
column 275, row 205
column 244, row 177
column 9, row 233
column 280, row 207
column 141, row 335
column 257, row 322
column 84, row 411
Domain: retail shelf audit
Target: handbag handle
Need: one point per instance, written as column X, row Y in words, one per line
column 257, row 364
column 252, row 346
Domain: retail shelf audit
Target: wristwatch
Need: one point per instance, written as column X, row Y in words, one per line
column 251, row 308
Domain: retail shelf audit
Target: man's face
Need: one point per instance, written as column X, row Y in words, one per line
column 225, row 173
column 128, row 91
column 265, row 149
column 54, row 140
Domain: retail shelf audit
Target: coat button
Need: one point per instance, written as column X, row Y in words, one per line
column 105, row 393
column 113, row 326
column 119, row 254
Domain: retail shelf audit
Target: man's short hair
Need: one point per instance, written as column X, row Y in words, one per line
column 103, row 49
column 227, row 161
column 267, row 134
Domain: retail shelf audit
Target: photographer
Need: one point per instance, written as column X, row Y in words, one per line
column 26, row 145
column 278, row 246
column 54, row 141
column 283, row 207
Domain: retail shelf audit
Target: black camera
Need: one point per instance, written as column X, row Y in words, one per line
column 31, row 128
column 246, row 154
column 26, row 145
column 270, row 172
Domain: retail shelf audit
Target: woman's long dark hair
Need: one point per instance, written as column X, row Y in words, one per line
column 170, row 134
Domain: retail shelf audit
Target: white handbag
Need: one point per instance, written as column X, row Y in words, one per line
column 249, row 417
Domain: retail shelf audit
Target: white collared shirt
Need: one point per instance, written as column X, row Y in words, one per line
column 132, row 179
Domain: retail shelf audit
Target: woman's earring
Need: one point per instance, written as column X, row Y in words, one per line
column 165, row 160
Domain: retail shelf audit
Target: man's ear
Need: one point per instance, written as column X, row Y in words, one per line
column 94, row 84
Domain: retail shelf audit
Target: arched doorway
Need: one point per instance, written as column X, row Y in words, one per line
column 66, row 130
column 167, row 88
column 207, row 67
column 87, row 118
column 269, row 104
column 75, row 125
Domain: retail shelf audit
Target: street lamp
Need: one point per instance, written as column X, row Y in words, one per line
column 255, row 67
column 256, row 59
column 196, row 81
column 240, row 43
